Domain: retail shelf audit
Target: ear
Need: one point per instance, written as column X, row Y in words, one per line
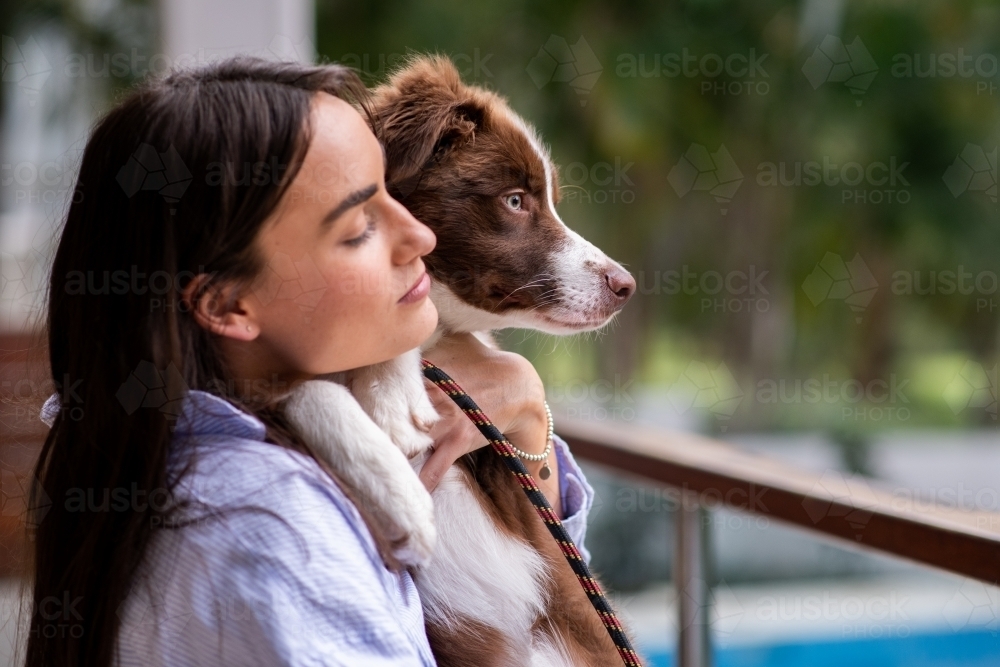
column 216, row 309
column 422, row 113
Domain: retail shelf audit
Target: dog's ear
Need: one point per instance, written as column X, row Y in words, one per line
column 421, row 114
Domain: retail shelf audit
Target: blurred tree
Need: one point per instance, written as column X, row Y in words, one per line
column 670, row 80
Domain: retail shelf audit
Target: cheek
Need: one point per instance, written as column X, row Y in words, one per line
column 350, row 317
column 286, row 281
column 359, row 282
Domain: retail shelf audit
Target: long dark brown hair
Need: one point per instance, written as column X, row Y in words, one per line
column 175, row 181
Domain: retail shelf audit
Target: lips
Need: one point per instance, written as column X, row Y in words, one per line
column 579, row 324
column 419, row 290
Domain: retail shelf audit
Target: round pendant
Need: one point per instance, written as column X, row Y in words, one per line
column 545, row 472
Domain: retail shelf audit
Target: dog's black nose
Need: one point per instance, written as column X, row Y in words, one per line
column 621, row 283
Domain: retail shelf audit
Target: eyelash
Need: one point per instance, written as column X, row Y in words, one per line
column 364, row 236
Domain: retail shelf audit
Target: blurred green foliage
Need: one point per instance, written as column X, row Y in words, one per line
column 646, row 109
column 648, row 106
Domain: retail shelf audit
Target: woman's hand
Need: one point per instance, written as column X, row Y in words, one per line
column 507, row 388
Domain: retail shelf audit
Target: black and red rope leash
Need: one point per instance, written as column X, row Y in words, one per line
column 503, row 447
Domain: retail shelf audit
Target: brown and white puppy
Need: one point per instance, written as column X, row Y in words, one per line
column 494, row 585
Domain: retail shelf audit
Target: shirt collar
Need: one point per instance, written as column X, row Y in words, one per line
column 203, row 413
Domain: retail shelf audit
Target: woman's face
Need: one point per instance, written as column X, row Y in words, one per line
column 343, row 284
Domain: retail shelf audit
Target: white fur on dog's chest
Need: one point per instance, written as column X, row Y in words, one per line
column 500, row 577
column 480, row 572
column 466, row 566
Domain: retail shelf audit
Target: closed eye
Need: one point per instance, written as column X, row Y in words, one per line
column 363, row 236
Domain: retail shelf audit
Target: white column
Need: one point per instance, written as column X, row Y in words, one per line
column 203, row 30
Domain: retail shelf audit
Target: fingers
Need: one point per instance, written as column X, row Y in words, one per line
column 454, row 436
column 449, row 413
column 434, row 469
column 449, row 446
column 437, row 396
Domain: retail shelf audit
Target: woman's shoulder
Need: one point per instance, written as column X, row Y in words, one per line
column 236, row 493
column 265, row 553
column 287, row 577
column 234, row 490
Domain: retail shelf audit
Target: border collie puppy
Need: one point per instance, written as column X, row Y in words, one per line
column 495, row 587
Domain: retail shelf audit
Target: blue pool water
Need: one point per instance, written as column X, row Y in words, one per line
column 968, row 649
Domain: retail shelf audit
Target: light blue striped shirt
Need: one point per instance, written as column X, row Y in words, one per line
column 276, row 566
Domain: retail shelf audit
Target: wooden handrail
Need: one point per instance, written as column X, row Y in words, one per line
column 851, row 508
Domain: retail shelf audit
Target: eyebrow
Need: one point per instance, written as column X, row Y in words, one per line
column 350, row 201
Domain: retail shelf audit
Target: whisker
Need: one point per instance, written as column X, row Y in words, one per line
column 537, row 280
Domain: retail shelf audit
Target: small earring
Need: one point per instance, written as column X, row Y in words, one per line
column 248, row 327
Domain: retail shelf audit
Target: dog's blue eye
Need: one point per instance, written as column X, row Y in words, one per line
column 513, row 201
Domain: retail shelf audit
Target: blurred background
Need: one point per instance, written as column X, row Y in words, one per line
column 805, row 191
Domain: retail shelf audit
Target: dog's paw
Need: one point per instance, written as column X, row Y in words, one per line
column 393, row 394
column 330, row 420
column 410, row 438
column 422, row 412
column 414, row 547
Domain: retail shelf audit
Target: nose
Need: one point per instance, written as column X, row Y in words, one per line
column 621, row 283
column 414, row 239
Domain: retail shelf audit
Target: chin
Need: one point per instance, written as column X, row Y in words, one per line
column 422, row 327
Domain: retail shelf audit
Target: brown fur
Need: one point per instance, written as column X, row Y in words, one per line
column 452, row 153
column 474, row 645
column 570, row 614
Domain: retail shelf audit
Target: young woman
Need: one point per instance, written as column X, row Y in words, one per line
column 231, row 236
